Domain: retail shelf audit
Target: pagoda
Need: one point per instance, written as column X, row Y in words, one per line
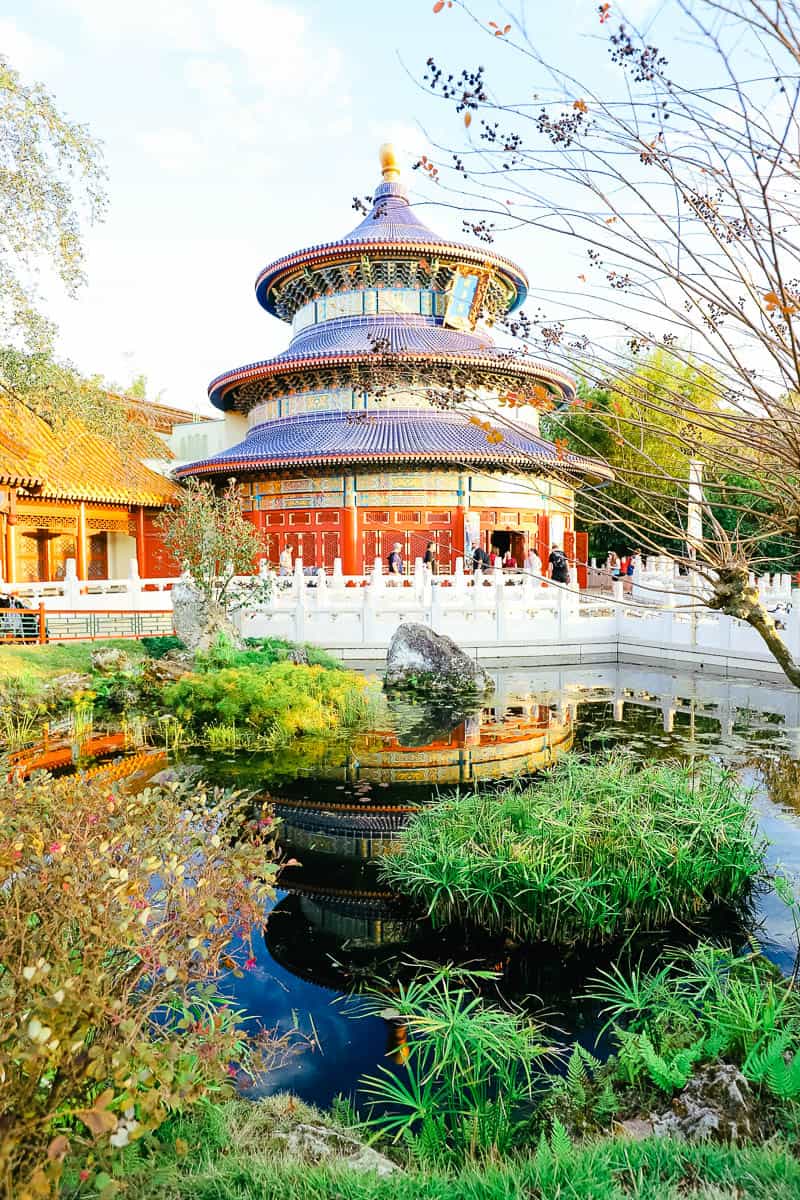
column 387, row 418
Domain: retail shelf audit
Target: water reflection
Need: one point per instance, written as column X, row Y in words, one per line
column 335, row 924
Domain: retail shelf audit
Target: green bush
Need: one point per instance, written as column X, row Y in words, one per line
column 282, row 700
column 157, row 647
column 263, row 652
column 701, row 1006
column 229, row 1152
column 593, row 849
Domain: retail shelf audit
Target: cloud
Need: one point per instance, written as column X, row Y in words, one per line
column 33, row 58
column 173, row 149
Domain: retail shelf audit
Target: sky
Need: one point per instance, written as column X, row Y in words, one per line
column 235, row 131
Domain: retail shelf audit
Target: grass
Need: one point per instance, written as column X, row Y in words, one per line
column 30, row 667
column 231, row 1152
column 594, row 849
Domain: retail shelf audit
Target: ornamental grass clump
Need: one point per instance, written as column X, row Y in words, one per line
column 593, row 849
column 118, row 913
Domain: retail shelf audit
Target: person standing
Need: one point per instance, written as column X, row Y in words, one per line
column 285, row 561
column 509, row 562
column 559, row 567
column 430, row 560
column 533, row 563
column 394, row 561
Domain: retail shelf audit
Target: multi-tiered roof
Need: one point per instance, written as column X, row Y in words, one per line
column 370, row 317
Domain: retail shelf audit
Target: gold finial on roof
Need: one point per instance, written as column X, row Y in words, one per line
column 389, row 167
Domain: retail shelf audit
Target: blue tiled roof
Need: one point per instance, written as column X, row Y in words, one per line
column 392, row 219
column 353, row 335
column 391, row 436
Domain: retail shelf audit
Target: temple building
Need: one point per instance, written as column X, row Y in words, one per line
column 387, row 418
column 68, row 493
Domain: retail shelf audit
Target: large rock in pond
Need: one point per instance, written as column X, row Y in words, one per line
column 198, row 621
column 431, row 663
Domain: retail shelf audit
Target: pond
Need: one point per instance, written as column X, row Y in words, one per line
column 334, row 923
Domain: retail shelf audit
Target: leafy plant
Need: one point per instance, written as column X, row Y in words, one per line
column 469, row 1067
column 595, row 848
column 700, row 1007
column 117, row 917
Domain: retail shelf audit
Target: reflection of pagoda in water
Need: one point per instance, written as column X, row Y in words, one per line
column 338, row 918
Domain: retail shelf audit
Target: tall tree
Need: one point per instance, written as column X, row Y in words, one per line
column 677, row 183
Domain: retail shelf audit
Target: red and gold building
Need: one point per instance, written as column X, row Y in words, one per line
column 68, row 493
column 371, row 428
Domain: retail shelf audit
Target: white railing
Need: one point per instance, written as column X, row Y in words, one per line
column 511, row 614
column 502, row 614
column 132, row 594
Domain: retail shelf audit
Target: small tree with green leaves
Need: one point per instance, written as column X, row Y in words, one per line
column 212, row 540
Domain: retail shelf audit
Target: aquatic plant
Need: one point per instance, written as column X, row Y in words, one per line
column 18, row 726
column 117, row 917
column 593, row 849
column 468, row 1066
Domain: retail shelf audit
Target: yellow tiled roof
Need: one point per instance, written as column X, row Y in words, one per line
column 71, row 462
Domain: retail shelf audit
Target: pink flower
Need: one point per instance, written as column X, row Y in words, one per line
column 55, row 847
column 232, row 1070
column 249, row 963
column 83, row 1175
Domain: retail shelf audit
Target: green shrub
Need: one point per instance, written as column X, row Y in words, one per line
column 229, row 1152
column 282, row 700
column 117, row 916
column 262, row 652
column 593, row 849
column 157, row 647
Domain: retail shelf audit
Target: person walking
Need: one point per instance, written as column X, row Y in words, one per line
column 559, row 567
column 430, row 560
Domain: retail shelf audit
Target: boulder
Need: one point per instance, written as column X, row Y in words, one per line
column 428, row 662
column 321, row 1144
column 716, row 1104
column 109, row 660
column 62, row 689
column 199, row 621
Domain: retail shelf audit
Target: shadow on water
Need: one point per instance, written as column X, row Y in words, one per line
column 342, row 804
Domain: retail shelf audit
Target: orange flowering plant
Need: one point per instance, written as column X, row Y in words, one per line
column 119, row 912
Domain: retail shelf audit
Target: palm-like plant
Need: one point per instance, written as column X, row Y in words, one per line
column 469, row 1069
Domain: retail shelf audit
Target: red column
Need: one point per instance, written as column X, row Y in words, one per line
column 351, row 559
column 351, row 564
column 140, row 542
